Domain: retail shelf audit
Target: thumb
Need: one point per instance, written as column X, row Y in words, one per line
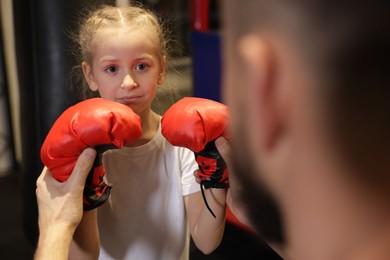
column 83, row 166
column 223, row 147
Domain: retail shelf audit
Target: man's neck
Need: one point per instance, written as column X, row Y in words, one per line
column 375, row 247
column 333, row 219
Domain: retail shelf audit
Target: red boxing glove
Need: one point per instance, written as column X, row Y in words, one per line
column 96, row 123
column 195, row 123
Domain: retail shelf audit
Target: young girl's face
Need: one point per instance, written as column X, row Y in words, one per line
column 126, row 67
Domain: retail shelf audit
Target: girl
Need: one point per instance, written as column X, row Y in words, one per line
column 155, row 200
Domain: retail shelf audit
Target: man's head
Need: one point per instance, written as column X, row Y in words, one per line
column 308, row 82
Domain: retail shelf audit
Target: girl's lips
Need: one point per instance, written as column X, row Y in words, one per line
column 129, row 99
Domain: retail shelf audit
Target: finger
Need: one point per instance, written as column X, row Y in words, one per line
column 40, row 180
column 196, row 174
column 45, row 182
column 223, row 147
column 42, row 175
column 83, row 166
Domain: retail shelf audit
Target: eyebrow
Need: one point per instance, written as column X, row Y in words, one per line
column 113, row 59
column 108, row 59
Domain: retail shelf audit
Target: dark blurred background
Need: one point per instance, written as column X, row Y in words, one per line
column 35, row 65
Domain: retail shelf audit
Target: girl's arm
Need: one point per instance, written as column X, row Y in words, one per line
column 86, row 243
column 206, row 231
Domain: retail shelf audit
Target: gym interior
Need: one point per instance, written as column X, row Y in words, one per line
column 35, row 64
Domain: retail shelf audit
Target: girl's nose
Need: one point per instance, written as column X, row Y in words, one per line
column 128, row 82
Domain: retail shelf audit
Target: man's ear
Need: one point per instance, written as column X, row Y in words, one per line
column 263, row 95
column 161, row 74
column 88, row 75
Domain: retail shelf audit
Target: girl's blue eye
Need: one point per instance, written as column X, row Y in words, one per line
column 111, row 69
column 141, row 66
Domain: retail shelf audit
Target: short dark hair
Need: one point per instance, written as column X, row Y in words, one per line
column 348, row 42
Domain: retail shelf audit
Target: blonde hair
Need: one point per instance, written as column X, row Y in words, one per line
column 136, row 17
column 133, row 16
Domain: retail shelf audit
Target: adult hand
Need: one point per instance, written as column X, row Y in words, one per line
column 232, row 197
column 62, row 202
column 60, row 207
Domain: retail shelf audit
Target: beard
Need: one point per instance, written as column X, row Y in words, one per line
column 259, row 203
